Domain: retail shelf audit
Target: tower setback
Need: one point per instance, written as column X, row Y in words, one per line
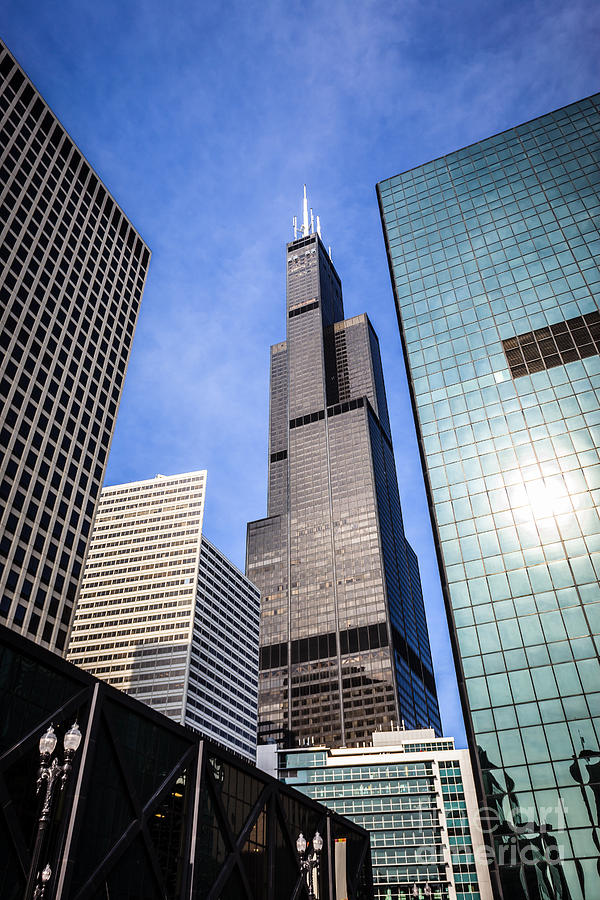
column 344, row 642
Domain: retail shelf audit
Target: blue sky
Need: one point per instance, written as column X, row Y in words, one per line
column 204, row 119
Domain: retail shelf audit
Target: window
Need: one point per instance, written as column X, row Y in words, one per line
column 554, row 345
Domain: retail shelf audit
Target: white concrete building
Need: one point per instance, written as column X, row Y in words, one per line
column 415, row 794
column 164, row 615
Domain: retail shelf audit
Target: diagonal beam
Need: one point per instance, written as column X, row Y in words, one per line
column 235, row 858
column 167, row 784
column 137, row 826
column 300, row 883
column 32, row 737
column 122, row 766
column 94, row 881
column 226, row 831
column 261, row 803
column 149, row 808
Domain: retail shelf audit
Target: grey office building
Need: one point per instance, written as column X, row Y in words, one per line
column 72, row 274
column 344, row 642
column 493, row 252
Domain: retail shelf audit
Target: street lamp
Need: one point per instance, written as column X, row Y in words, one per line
column 51, row 772
column 427, row 892
column 40, row 888
column 308, row 860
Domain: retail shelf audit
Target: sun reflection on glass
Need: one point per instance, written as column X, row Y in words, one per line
column 547, row 497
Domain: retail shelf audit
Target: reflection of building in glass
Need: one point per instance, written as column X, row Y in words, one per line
column 493, row 252
column 415, row 795
column 344, row 642
column 72, row 272
column 528, row 851
column 164, row 615
column 158, row 812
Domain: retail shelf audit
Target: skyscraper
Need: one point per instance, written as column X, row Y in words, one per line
column 493, row 254
column 164, row 615
column 71, row 282
column 344, row 642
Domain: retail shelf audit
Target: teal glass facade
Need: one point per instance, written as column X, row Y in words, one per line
column 493, row 252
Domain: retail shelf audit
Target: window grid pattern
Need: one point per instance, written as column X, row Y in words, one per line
column 164, row 616
column 71, row 279
column 494, row 249
column 414, row 806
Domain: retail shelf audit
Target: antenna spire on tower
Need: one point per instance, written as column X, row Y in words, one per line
column 308, row 222
column 305, row 214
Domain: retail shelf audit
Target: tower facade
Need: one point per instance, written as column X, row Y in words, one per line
column 72, row 274
column 493, row 252
column 164, row 615
column 344, row 642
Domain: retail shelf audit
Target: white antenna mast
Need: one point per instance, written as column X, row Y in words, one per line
column 308, row 224
column 305, row 214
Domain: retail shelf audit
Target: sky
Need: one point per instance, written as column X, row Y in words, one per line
column 204, row 119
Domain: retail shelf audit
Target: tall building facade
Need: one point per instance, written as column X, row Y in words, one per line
column 344, row 642
column 493, row 252
column 164, row 615
column 71, row 279
column 415, row 795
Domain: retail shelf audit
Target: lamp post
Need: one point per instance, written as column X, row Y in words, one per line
column 50, row 773
column 426, row 893
column 40, row 888
column 308, row 860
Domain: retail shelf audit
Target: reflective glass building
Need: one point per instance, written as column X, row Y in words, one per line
column 493, row 254
column 344, row 642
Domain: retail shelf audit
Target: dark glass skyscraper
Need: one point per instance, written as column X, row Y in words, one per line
column 72, row 272
column 344, row 642
column 493, row 252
